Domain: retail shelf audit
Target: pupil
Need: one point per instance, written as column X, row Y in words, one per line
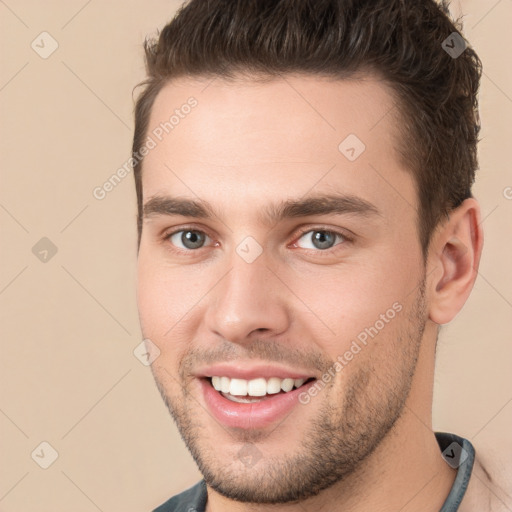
column 192, row 239
column 323, row 239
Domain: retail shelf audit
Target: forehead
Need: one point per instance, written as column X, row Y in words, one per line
column 249, row 143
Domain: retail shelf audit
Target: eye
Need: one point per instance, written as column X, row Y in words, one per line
column 320, row 239
column 188, row 239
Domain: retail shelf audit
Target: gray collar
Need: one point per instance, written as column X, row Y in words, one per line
column 459, row 453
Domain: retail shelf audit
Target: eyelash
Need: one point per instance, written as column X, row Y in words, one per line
column 346, row 238
column 342, row 234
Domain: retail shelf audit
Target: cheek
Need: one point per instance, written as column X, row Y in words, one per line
column 151, row 299
column 157, row 317
column 355, row 301
column 167, row 299
column 156, row 299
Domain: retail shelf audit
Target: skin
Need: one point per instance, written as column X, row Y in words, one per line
column 365, row 442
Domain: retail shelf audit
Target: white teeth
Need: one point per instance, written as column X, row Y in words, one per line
column 256, row 387
column 273, row 385
column 238, row 387
column 240, row 399
column 298, row 382
column 224, row 384
column 216, row 383
column 287, row 384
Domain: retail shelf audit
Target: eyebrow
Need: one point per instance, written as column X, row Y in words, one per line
column 328, row 204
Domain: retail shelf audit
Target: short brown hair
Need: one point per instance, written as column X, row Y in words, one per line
column 399, row 40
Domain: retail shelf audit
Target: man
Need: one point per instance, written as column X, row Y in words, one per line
column 306, row 224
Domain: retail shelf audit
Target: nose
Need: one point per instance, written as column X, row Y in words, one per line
column 248, row 302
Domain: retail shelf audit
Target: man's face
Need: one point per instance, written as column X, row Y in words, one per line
column 267, row 288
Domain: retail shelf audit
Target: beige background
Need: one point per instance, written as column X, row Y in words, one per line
column 69, row 325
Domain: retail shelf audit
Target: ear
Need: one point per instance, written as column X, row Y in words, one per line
column 453, row 260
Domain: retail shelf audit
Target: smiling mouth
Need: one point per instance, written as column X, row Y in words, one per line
column 254, row 390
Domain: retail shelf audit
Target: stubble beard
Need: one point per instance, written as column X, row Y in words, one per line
column 337, row 441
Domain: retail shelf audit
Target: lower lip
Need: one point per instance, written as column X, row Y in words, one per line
column 251, row 415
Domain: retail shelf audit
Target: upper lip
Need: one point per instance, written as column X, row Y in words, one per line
column 250, row 371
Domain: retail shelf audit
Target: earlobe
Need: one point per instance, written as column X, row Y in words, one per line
column 454, row 260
